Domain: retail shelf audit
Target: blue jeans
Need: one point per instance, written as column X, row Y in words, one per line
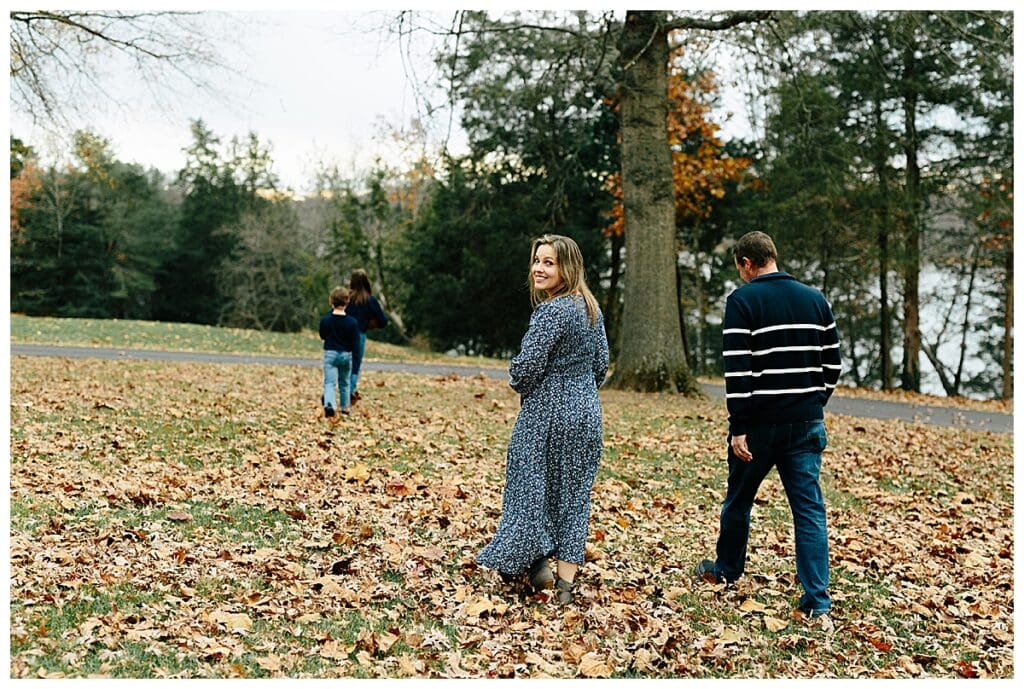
column 337, row 368
column 362, row 350
column 795, row 450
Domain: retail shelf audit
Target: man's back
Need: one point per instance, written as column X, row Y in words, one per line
column 781, row 352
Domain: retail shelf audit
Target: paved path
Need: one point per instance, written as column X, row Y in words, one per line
column 849, row 406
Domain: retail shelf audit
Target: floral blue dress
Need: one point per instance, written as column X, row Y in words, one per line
column 556, row 442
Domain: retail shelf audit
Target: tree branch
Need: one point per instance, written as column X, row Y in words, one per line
column 733, row 19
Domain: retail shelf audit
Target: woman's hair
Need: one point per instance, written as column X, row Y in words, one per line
column 359, row 283
column 570, row 268
column 339, row 297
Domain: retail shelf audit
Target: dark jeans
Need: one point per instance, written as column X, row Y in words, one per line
column 795, row 450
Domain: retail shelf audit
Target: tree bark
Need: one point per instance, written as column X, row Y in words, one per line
column 1008, row 325
column 884, row 220
column 931, row 351
column 612, row 319
column 911, row 375
column 651, row 357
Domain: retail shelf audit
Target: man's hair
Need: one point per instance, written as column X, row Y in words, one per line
column 339, row 297
column 757, row 246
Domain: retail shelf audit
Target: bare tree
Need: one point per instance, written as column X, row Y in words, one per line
column 58, row 57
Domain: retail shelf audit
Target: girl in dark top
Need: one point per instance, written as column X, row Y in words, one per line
column 340, row 333
column 365, row 308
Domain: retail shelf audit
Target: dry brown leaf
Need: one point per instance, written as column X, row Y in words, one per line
column 478, row 606
column 593, row 665
column 408, row 666
column 751, row 605
column 730, row 636
column 233, row 621
column 358, row 472
column 271, row 663
column 335, row 650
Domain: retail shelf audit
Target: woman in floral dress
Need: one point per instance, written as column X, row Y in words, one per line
column 556, row 443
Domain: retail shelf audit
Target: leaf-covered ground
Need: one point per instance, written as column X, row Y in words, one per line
column 206, row 521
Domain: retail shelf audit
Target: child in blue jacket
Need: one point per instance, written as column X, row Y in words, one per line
column 340, row 333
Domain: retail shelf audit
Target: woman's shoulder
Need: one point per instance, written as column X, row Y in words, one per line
column 568, row 307
column 559, row 306
column 570, row 303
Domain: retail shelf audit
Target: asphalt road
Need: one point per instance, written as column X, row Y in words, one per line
column 849, row 406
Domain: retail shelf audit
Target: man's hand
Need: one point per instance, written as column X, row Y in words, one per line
column 740, row 449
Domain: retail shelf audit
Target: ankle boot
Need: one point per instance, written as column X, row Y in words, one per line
column 564, row 591
column 540, row 574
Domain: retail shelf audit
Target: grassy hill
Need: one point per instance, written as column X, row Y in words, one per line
column 92, row 332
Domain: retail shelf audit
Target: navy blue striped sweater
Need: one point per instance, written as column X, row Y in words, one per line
column 781, row 351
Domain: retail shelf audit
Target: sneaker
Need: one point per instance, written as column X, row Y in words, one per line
column 820, row 618
column 329, row 412
column 356, row 397
column 346, row 411
column 814, row 614
column 705, row 570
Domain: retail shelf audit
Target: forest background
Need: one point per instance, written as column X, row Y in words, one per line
column 881, row 162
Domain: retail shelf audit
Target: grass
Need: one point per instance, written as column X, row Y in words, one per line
column 152, row 501
column 188, row 337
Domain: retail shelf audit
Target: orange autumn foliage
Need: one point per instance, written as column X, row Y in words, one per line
column 22, row 188
column 700, row 169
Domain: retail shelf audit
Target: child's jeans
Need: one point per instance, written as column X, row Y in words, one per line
column 362, row 350
column 337, row 369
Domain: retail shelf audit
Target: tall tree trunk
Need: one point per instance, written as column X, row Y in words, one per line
column 687, row 353
column 885, row 324
column 651, row 357
column 1008, row 324
column 884, row 220
column 911, row 376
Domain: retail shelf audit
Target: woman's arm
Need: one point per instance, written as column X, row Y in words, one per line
column 378, row 313
column 527, row 368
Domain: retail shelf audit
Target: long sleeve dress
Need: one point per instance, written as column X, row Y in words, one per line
column 556, row 442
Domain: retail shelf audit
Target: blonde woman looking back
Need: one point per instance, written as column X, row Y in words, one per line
column 556, row 442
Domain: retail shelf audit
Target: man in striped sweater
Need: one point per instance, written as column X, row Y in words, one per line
column 782, row 362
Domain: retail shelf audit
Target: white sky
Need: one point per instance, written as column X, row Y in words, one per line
column 316, row 85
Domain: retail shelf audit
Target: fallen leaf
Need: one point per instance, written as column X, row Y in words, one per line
column 594, row 665
column 751, row 605
column 477, row 607
column 270, row 663
column 233, row 621
column 359, row 472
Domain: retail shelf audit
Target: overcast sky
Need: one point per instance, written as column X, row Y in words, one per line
column 319, row 85
column 316, row 85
